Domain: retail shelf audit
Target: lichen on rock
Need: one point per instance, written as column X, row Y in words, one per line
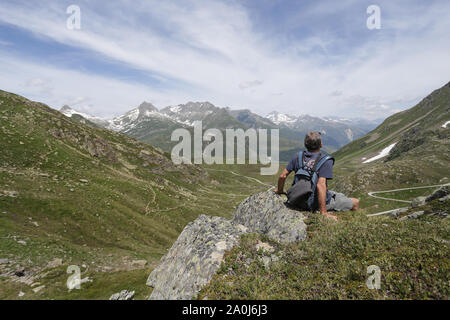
column 267, row 213
column 194, row 257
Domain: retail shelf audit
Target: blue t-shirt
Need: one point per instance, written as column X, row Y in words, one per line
column 326, row 171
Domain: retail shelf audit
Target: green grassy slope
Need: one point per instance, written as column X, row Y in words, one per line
column 430, row 114
column 419, row 157
column 413, row 257
column 92, row 197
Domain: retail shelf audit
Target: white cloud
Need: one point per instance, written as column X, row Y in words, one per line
column 103, row 96
column 78, row 100
column 36, row 82
column 250, row 84
column 210, row 46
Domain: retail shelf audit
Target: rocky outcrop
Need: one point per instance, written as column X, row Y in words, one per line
column 439, row 194
column 267, row 213
column 442, row 194
column 198, row 252
column 194, row 258
column 413, row 215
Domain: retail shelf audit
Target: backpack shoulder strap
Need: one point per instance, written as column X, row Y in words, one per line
column 300, row 159
column 321, row 159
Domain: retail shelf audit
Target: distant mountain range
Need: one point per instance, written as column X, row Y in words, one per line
column 149, row 124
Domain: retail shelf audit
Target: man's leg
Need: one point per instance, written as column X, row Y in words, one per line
column 339, row 202
column 355, row 204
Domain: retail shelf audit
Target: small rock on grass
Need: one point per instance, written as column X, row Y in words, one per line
column 264, row 246
column 122, row 295
column 417, row 202
column 397, row 212
column 139, row 263
column 37, row 289
column 413, row 215
column 267, row 261
column 54, row 263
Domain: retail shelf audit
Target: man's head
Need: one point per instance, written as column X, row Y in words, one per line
column 313, row 141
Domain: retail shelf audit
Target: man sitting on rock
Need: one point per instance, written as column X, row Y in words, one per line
column 325, row 200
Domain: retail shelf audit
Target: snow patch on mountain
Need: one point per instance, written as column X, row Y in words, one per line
column 280, row 118
column 382, row 154
column 145, row 112
column 175, row 109
column 132, row 118
column 69, row 112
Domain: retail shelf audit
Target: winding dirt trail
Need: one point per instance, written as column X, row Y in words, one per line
column 372, row 194
column 241, row 175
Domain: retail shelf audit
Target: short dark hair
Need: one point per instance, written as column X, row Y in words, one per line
column 313, row 141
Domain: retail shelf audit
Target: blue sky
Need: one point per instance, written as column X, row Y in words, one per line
column 298, row 57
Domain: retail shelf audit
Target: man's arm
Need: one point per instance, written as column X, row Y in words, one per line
column 281, row 181
column 322, row 197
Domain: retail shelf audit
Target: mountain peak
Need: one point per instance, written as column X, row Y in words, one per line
column 67, row 111
column 147, row 106
column 65, row 108
column 200, row 105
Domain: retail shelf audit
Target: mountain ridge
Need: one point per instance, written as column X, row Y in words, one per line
column 396, row 147
column 154, row 126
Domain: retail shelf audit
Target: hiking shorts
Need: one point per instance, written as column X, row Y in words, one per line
column 339, row 202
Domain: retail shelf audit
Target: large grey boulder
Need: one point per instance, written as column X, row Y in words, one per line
column 194, row 258
column 198, row 252
column 267, row 213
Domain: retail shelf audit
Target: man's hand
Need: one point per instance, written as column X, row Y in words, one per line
column 278, row 191
column 330, row 216
column 322, row 197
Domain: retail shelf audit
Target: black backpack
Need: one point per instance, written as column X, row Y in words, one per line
column 302, row 193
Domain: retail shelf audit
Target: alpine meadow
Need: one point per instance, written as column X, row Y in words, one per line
column 224, row 156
